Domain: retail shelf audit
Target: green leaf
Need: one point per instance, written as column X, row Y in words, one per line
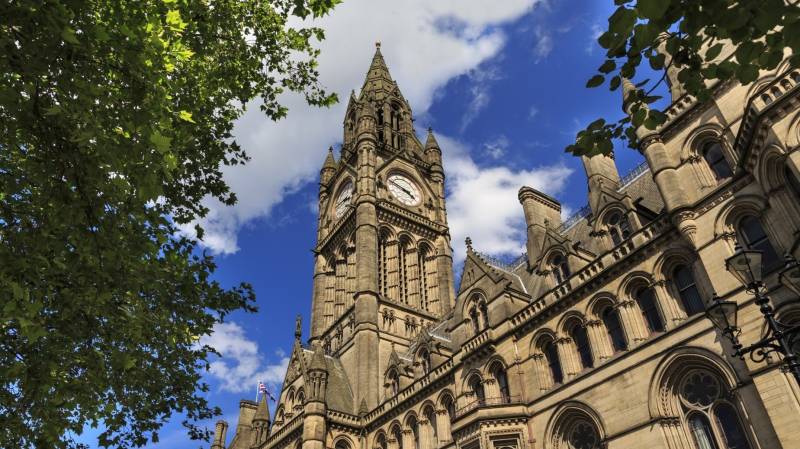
column 186, row 116
column 652, row 9
column 68, row 35
column 161, row 142
column 595, row 81
column 713, row 52
column 608, row 66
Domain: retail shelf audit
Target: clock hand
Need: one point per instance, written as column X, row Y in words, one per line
column 403, row 189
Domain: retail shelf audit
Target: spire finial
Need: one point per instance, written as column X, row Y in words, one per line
column 377, row 45
column 468, row 242
column 298, row 328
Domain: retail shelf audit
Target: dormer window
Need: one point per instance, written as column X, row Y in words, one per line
column 560, row 268
column 618, row 227
column 424, row 361
column 715, row 158
column 394, row 382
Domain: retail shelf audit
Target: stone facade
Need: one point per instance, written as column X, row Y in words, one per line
column 596, row 338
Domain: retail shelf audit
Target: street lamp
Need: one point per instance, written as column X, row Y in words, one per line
column 745, row 265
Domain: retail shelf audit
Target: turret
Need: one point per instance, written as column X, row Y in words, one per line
column 328, row 168
column 675, row 87
column 433, row 153
column 541, row 212
column 259, row 428
column 601, row 174
column 314, row 409
column 663, row 165
column 220, row 431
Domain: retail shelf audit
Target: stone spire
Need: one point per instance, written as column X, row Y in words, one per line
column 259, row 428
column 262, row 412
column 431, row 142
column 378, row 82
column 318, row 361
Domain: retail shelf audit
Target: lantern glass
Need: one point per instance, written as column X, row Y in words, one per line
column 723, row 314
column 745, row 264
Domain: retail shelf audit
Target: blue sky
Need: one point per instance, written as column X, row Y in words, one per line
column 502, row 84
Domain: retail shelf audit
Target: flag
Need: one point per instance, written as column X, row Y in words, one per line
column 262, row 389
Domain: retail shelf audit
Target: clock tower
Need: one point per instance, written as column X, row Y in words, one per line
column 383, row 269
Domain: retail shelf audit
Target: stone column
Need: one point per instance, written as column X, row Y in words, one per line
column 673, row 312
column 599, row 339
column 632, row 321
column 412, row 273
column 341, row 287
column 318, row 298
column 365, row 340
column 567, row 354
column 351, row 279
column 443, row 427
column 392, row 271
column 330, row 297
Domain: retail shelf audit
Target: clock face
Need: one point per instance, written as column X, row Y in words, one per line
column 344, row 198
column 404, row 190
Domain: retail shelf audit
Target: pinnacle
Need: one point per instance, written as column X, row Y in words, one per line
column 318, row 360
column 431, row 141
column 378, row 81
column 330, row 161
column 262, row 412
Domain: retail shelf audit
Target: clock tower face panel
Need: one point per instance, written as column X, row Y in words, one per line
column 404, row 190
column 343, row 199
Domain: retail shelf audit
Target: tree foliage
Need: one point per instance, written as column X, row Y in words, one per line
column 687, row 38
column 115, row 122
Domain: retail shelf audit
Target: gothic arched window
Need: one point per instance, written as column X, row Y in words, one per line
column 430, row 415
column 715, row 158
column 499, row 374
column 578, row 334
column 618, row 227
column 554, row 363
column 397, row 434
column 380, row 441
column 614, row 327
column 484, row 314
column 342, row 444
column 560, row 268
column 476, row 386
column 711, row 418
column 450, row 406
column 424, row 361
column 646, row 298
column 473, row 316
column 791, row 179
column 687, row 290
column 413, row 426
column 583, row 435
column 755, row 238
column 394, row 382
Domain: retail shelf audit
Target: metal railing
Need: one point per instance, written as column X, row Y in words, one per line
column 574, row 219
column 506, row 266
column 487, row 402
column 633, row 174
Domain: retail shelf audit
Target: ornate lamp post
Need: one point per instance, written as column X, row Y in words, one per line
column 780, row 338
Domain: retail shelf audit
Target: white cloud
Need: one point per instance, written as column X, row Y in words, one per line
column 496, row 148
column 544, row 43
column 241, row 365
column 425, row 43
column 533, row 112
column 481, row 79
column 595, row 31
column 482, row 201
